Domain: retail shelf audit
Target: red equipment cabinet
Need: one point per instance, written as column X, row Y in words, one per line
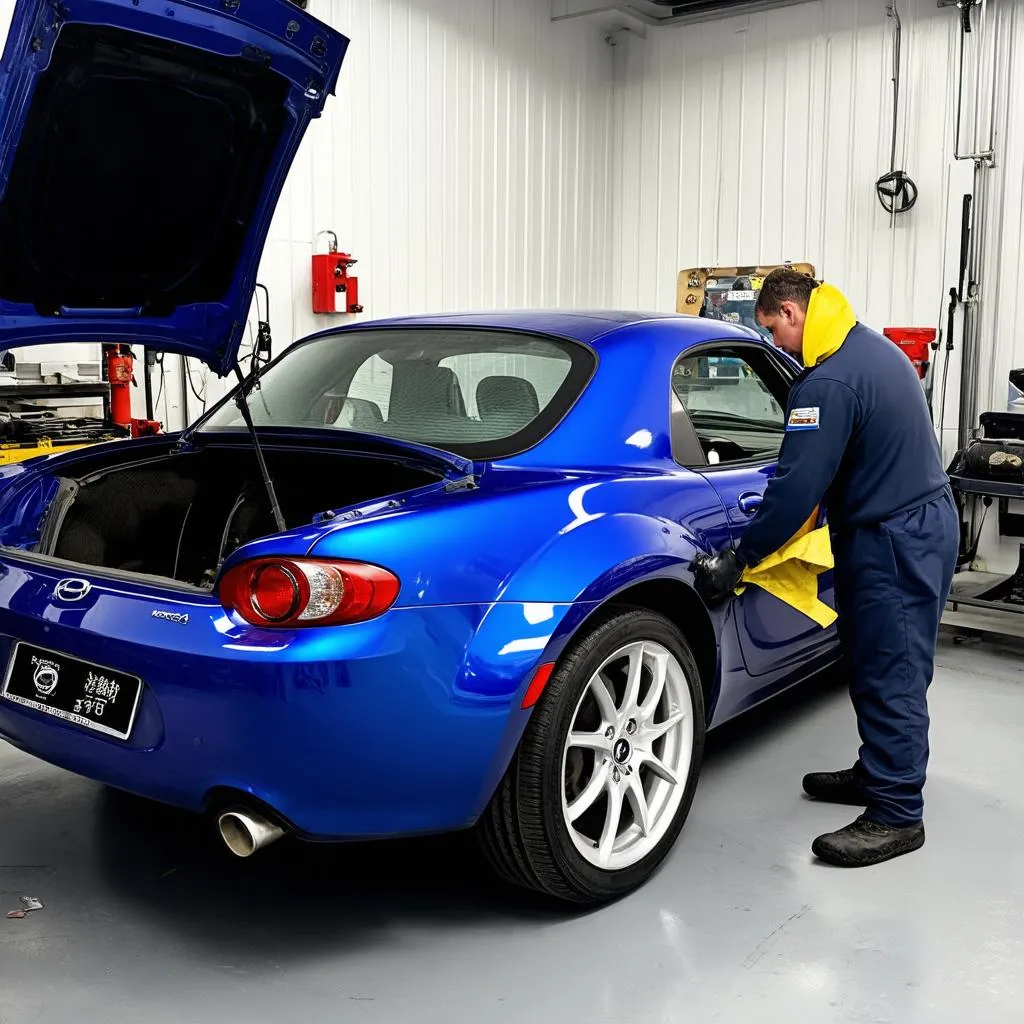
column 915, row 342
column 334, row 289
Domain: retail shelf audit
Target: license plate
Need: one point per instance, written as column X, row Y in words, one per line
column 92, row 696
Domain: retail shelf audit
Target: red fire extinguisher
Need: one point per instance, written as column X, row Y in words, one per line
column 334, row 289
column 121, row 378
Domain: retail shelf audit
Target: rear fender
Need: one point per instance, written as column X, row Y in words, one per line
column 547, row 600
column 593, row 557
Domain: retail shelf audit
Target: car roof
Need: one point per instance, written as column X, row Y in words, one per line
column 596, row 328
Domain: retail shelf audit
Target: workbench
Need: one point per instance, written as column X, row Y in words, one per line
column 23, row 398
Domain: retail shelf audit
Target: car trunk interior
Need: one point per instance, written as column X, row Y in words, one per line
column 180, row 515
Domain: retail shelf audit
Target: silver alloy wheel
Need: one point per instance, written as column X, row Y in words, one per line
column 627, row 756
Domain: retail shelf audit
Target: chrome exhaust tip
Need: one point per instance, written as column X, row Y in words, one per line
column 244, row 833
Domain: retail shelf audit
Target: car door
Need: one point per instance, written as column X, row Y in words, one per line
column 734, row 396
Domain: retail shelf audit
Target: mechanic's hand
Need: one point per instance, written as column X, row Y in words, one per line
column 717, row 576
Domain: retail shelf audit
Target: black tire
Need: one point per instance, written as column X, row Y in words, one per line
column 523, row 833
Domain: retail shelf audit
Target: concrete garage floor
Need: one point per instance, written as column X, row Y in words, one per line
column 144, row 923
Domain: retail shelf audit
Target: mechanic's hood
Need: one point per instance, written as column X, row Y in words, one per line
column 143, row 148
column 830, row 318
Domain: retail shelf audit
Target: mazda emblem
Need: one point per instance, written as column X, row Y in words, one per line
column 71, row 589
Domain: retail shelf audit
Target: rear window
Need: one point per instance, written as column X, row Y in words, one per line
column 479, row 393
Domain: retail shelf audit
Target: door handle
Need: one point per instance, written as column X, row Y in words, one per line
column 749, row 502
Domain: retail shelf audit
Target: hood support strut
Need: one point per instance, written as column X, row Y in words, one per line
column 245, row 386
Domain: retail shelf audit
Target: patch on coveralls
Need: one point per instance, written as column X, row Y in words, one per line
column 804, row 419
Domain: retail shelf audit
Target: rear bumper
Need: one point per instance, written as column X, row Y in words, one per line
column 349, row 732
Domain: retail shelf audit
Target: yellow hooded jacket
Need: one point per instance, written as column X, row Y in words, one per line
column 791, row 573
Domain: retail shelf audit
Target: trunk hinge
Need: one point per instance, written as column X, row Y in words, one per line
column 464, row 483
column 245, row 386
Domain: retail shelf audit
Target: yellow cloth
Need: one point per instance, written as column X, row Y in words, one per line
column 791, row 575
column 830, row 318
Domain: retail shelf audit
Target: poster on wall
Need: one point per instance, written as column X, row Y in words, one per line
column 727, row 293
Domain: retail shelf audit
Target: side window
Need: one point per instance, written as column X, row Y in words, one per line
column 734, row 402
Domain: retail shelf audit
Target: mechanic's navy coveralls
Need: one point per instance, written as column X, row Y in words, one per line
column 859, row 435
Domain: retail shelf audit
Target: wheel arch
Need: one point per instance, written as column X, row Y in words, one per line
column 679, row 603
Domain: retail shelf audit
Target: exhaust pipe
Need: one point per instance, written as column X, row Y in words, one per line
column 245, row 833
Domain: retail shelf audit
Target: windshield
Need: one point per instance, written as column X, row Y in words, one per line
column 479, row 393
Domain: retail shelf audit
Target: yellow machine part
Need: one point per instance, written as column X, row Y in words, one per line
column 20, row 452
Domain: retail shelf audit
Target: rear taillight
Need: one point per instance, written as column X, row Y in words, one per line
column 294, row 592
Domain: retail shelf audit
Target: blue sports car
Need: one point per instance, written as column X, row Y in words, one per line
column 421, row 575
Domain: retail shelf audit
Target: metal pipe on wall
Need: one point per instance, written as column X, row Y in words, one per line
column 982, row 154
column 183, row 368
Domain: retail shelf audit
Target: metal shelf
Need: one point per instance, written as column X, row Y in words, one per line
column 22, row 394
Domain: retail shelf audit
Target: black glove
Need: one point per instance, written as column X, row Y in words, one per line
column 717, row 576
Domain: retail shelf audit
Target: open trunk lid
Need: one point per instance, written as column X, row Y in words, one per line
column 455, row 468
column 143, row 149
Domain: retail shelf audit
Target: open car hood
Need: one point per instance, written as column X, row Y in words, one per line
column 143, row 149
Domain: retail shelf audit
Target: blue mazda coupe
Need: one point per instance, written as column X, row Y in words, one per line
column 421, row 575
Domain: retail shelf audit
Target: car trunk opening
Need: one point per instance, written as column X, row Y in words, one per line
column 180, row 515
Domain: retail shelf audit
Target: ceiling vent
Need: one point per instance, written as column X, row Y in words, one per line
column 667, row 12
column 682, row 7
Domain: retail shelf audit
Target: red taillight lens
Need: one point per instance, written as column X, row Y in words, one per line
column 276, row 592
column 293, row 592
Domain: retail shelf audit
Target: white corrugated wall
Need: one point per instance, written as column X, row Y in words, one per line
column 464, row 162
column 759, row 138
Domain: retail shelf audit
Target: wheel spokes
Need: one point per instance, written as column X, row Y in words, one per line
column 630, row 728
column 593, row 789
column 659, row 767
column 638, row 801
column 611, row 825
column 603, row 697
column 631, row 698
column 658, row 729
column 659, row 673
column 598, row 741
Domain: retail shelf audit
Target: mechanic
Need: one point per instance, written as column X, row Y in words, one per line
column 859, row 436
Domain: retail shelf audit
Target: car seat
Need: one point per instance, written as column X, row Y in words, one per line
column 506, row 404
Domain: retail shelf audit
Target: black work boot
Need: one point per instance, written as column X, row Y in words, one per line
column 836, row 787
column 866, row 842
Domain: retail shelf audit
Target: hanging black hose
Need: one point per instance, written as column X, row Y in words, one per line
column 200, row 396
column 159, row 361
column 149, row 361
column 965, row 243
column 896, row 190
column 950, row 325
